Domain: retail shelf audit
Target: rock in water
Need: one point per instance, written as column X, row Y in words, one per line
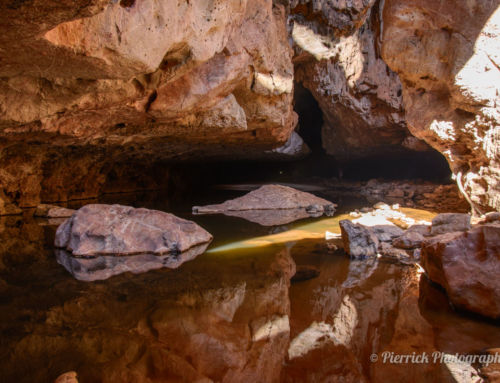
column 53, row 211
column 268, row 198
column 467, row 265
column 359, row 241
column 123, row 230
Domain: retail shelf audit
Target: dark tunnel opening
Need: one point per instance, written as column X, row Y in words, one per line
column 404, row 165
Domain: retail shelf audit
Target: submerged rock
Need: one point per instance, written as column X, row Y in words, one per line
column 467, row 265
column 53, row 211
column 271, row 205
column 123, row 230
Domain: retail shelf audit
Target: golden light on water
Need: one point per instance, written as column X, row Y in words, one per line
column 313, row 230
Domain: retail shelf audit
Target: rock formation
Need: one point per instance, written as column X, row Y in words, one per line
column 271, row 205
column 96, row 84
column 89, row 87
column 123, row 230
column 447, row 56
column 467, row 264
column 360, row 97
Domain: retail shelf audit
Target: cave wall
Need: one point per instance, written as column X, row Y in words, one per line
column 447, row 55
column 340, row 63
column 88, row 87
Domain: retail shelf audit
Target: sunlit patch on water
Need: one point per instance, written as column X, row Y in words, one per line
column 312, row 230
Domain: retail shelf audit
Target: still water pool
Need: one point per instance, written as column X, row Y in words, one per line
column 230, row 315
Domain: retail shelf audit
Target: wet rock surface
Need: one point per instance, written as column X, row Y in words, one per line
column 271, row 205
column 100, row 229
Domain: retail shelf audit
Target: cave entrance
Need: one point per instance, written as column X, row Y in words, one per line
column 310, row 118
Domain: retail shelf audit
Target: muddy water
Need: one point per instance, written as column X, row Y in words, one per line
column 229, row 315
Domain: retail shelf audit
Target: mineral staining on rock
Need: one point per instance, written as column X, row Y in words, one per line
column 271, row 205
column 96, row 230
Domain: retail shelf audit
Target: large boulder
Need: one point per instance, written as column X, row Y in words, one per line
column 467, row 265
column 123, row 230
column 271, row 205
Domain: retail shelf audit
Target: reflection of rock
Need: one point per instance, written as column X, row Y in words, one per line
column 304, row 273
column 216, row 319
column 491, row 367
column 68, row 377
column 467, row 265
column 270, row 217
column 104, row 267
column 277, row 200
column 122, row 230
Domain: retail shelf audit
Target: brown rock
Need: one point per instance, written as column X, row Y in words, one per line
column 386, row 233
column 270, row 197
column 424, row 230
column 360, row 97
column 67, row 377
column 359, row 241
column 450, row 222
column 53, row 211
column 467, row 265
column 409, row 240
column 123, row 230
column 88, row 85
column 449, row 66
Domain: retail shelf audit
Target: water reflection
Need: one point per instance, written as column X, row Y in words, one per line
column 224, row 316
column 103, row 267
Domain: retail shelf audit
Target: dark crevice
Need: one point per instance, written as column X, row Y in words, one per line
column 151, row 99
column 127, row 3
